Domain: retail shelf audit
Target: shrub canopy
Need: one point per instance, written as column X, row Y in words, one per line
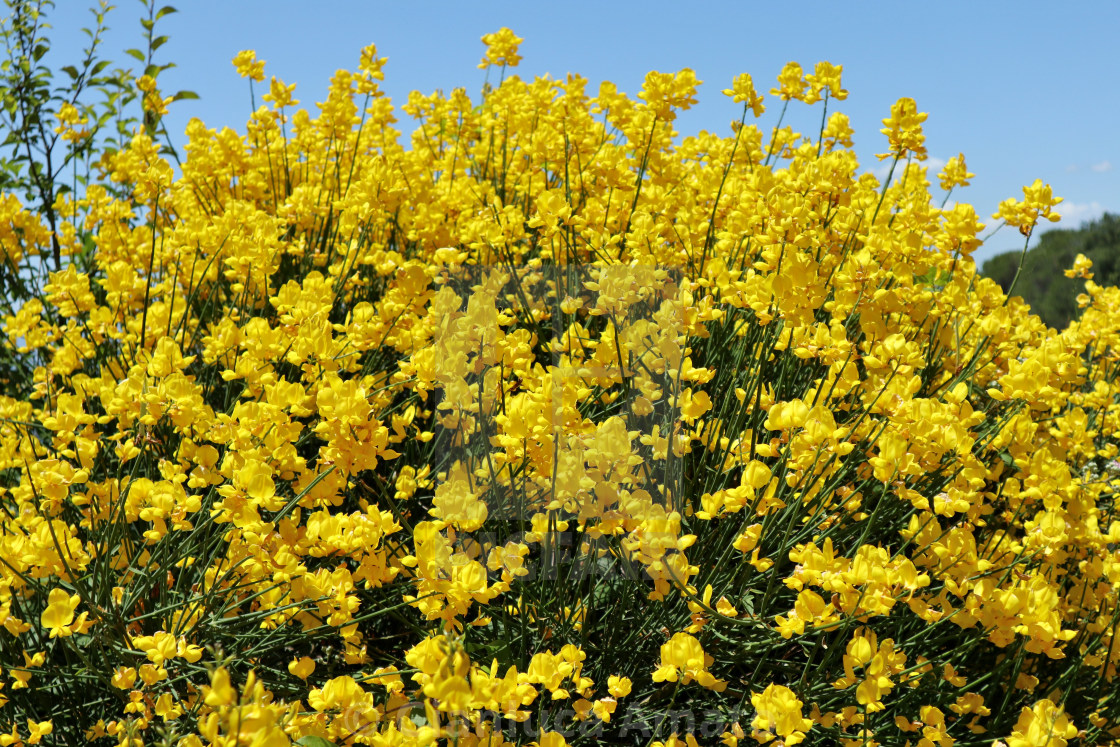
column 549, row 426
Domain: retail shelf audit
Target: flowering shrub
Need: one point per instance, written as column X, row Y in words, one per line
column 551, row 427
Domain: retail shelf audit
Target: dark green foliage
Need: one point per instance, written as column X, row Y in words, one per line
column 1043, row 285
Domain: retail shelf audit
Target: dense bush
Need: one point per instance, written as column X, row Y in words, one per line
column 549, row 427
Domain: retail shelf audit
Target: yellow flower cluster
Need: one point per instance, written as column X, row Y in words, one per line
column 335, row 438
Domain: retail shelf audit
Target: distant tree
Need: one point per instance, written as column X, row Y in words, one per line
column 1043, row 285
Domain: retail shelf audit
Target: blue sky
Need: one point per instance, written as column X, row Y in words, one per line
column 1026, row 89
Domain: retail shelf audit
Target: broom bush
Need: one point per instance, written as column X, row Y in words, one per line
column 549, row 427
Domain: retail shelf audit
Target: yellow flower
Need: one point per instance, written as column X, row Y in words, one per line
column 388, row 678
column 188, row 651
column 784, row 416
column 302, row 667
column 124, row 678
column 825, row 77
column 370, row 64
column 59, row 614
column 152, row 102
column 455, row 504
column 220, row 692
column 36, row 730
column 71, row 123
column 30, row 662
column 748, row 539
column 603, row 708
column 1038, row 199
column 809, row 609
column 159, row 648
column 248, row 66
column 839, row 130
column 904, row 130
column 618, row 686
column 1043, row 725
column 955, row 173
column 683, row 655
column 166, row 709
column 664, row 93
column 778, row 713
column 960, row 230
column 280, row 93
column 693, row 406
column 1080, row 269
column 339, row 694
column 550, row 670
column 950, row 675
column 792, row 84
column 501, row 49
column 742, row 91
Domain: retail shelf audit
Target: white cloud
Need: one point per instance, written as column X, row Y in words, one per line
column 934, row 164
column 1072, row 168
column 1101, row 167
column 881, row 169
column 1075, row 213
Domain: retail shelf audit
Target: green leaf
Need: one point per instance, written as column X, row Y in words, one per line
column 184, row 95
column 135, row 54
column 158, row 42
column 71, row 71
column 165, row 11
